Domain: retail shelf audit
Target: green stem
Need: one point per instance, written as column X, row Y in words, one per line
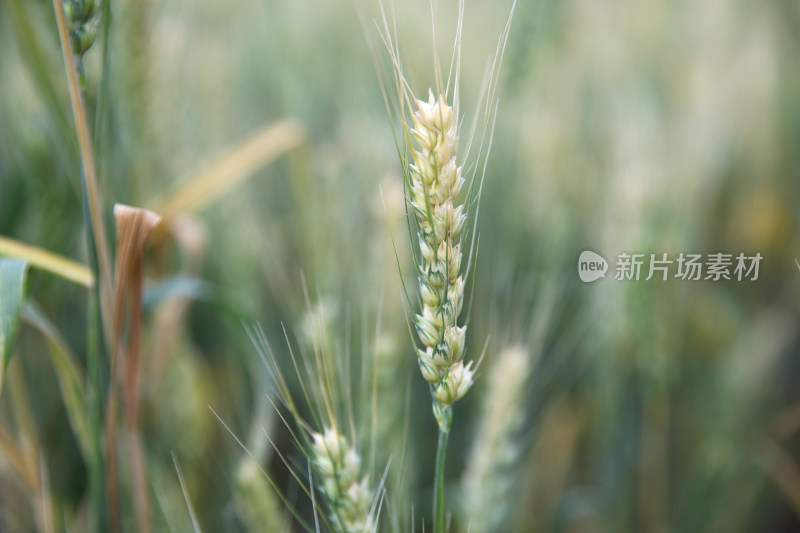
column 89, row 174
column 438, row 482
column 98, row 518
column 101, row 111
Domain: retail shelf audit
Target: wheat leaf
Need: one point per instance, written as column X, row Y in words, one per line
column 13, row 273
column 231, row 169
column 71, row 380
column 42, row 259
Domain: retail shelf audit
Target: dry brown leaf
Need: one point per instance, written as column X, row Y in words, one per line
column 133, row 226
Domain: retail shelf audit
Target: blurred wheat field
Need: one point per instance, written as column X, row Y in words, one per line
column 262, row 320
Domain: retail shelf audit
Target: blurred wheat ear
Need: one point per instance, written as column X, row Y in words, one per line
column 497, row 447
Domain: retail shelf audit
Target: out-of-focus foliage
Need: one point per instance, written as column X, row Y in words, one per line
column 623, row 126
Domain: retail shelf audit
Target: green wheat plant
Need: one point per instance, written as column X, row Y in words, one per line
column 345, row 492
column 443, row 166
column 252, row 142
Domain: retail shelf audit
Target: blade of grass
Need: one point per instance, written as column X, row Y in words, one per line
column 29, row 448
column 94, row 409
column 70, row 379
column 45, row 496
column 13, row 454
column 55, row 264
column 27, row 435
column 13, row 273
column 189, row 506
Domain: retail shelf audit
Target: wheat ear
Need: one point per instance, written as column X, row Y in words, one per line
column 496, row 449
column 434, row 186
column 433, row 181
column 348, row 496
